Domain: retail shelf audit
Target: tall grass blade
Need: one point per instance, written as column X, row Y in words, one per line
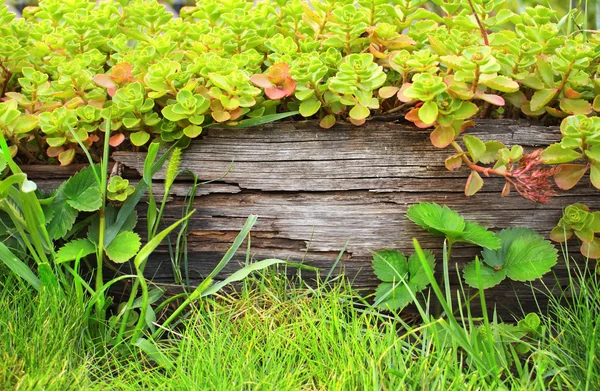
column 18, row 266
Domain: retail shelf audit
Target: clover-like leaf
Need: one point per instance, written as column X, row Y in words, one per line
column 443, row 221
column 123, row 247
column 401, row 278
column 524, row 255
column 82, row 191
column 75, row 249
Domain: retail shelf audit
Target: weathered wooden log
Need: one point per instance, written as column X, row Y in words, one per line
column 315, row 190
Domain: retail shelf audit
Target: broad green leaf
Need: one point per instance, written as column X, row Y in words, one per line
column 542, row 97
column 442, row 136
column 18, row 267
column 310, row 107
column 556, row 154
column 123, row 247
column 489, row 276
column 74, row 250
column 82, row 191
column 474, row 184
column 63, row 216
column 154, row 353
column 525, row 255
column 428, row 113
column 390, row 265
column 453, row 162
column 475, row 146
column 327, row 122
column 399, row 292
column 439, row 220
column 546, row 72
column 593, row 153
column 139, row 138
column 25, row 123
column 595, row 174
column 476, row 234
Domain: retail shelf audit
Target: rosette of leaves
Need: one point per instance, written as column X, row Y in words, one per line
column 282, row 49
column 443, row 221
column 188, row 112
column 58, row 126
column 119, row 189
column 569, row 63
column 355, row 81
column 135, row 112
column 524, row 255
column 385, row 39
column 232, row 95
column 580, row 140
column 577, row 219
column 348, row 24
column 16, row 126
column 401, row 278
column 476, row 67
column 277, row 82
column 309, row 71
column 161, row 78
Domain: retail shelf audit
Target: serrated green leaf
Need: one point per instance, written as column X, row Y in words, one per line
column 88, row 201
column 439, row 220
column 575, row 106
column 82, row 192
column 123, row 247
column 63, row 216
column 75, row 249
column 418, row 277
column 502, row 83
column 524, row 254
column 556, row 154
column 541, row 98
column 476, row 234
column 489, row 276
column 390, row 265
column 475, row 146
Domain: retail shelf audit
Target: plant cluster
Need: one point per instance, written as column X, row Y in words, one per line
column 70, row 69
column 579, row 220
column 520, row 254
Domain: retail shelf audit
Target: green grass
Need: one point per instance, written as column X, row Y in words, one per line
column 274, row 336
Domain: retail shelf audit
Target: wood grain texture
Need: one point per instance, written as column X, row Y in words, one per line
column 315, row 190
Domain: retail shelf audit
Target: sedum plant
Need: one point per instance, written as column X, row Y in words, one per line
column 71, row 70
column 579, row 220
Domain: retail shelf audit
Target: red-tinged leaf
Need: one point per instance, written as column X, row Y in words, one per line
column 442, row 136
column 221, row 115
column 112, row 91
column 474, row 183
column 453, row 162
column 93, row 138
column 289, row 86
column 568, row 175
column 575, row 106
column 494, row 99
column 116, row 139
column 526, row 109
column 122, row 73
column 97, row 103
column 66, row 157
column 104, row 81
column 388, row 92
column 275, row 93
column 261, row 80
column 466, row 125
column 400, row 94
column 54, row 151
column 278, row 73
column 413, row 116
column 327, row 122
column 357, row 122
column 506, row 189
column 376, row 52
column 556, row 112
column 571, row 94
column 559, row 234
column 542, row 97
column 235, row 114
column 592, row 249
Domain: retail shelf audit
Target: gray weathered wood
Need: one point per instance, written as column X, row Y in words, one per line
column 315, row 189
